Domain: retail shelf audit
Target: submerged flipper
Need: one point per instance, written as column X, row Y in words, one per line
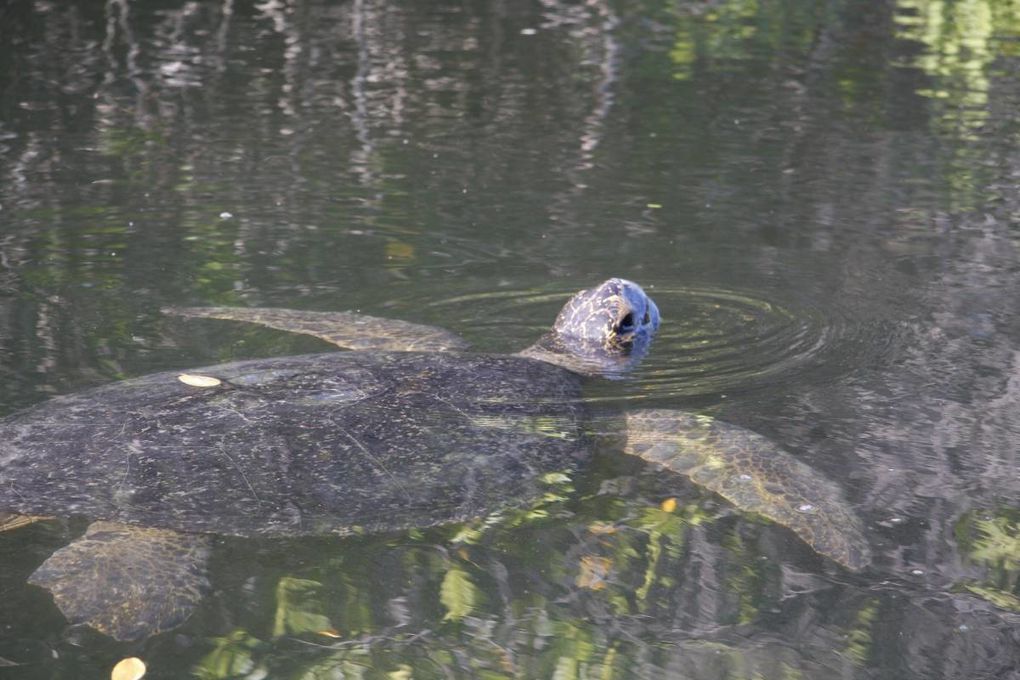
column 755, row 475
column 128, row 582
column 344, row 329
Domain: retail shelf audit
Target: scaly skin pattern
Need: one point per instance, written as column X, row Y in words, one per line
column 95, row 579
column 755, row 475
column 603, row 331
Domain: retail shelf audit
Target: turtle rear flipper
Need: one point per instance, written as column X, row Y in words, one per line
column 755, row 475
column 344, row 329
column 125, row 581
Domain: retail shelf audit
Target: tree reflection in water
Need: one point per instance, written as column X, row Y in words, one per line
column 857, row 159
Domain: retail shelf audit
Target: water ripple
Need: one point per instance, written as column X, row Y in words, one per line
column 712, row 341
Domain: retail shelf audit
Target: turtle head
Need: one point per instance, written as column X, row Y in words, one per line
column 604, row 330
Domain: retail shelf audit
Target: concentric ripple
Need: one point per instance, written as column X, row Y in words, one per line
column 717, row 340
column 712, row 341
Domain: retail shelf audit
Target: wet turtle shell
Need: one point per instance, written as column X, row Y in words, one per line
column 403, row 433
column 324, row 443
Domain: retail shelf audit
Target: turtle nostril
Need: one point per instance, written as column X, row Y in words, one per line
column 647, row 319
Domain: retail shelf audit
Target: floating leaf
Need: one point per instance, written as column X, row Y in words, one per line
column 668, row 505
column 330, row 633
column 198, row 380
column 131, row 668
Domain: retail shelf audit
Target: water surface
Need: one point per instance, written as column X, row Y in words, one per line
column 822, row 198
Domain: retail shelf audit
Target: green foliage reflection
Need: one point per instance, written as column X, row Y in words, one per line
column 525, row 593
column 734, row 31
column 962, row 42
column 232, row 656
column 299, row 607
column 991, row 542
column 458, row 594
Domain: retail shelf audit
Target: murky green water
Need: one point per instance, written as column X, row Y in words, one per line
column 821, row 197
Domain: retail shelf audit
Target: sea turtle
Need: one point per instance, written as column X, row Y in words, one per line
column 407, row 430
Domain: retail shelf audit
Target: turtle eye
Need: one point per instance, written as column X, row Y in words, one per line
column 626, row 324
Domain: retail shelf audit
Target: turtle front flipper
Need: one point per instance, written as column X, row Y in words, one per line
column 125, row 581
column 755, row 475
column 344, row 329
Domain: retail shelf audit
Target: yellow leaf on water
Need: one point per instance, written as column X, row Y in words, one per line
column 330, row 633
column 668, row 505
column 131, row 668
column 198, row 380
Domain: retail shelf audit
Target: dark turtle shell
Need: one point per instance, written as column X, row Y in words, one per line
column 367, row 440
column 309, row 444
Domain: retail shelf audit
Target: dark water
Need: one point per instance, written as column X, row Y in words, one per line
column 821, row 196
